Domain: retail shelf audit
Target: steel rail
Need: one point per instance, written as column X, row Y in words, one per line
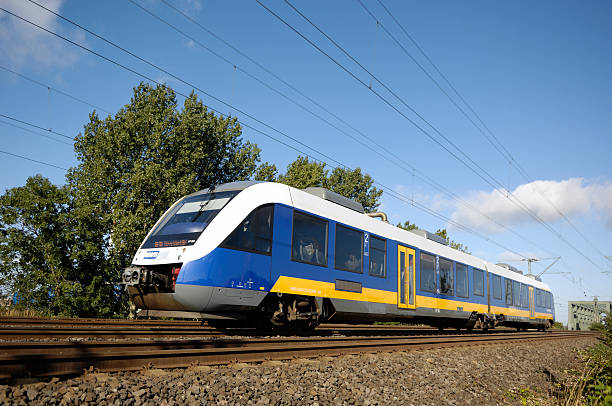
column 69, row 358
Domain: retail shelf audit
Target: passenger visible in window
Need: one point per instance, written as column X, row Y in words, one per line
column 352, row 263
column 310, row 251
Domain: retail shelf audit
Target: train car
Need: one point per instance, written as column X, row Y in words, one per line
column 271, row 254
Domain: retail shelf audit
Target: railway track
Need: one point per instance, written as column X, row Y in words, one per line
column 37, row 359
column 45, row 329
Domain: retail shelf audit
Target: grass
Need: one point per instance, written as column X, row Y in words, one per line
column 592, row 385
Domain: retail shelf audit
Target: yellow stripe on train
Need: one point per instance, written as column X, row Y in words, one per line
column 299, row 286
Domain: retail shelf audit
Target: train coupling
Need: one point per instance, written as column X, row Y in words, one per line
column 133, row 276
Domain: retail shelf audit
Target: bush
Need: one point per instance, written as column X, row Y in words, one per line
column 594, row 386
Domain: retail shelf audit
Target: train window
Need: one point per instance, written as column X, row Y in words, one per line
column 539, row 298
column 516, row 293
column 349, row 249
column 378, row 257
column 446, row 277
column 309, row 240
column 497, row 287
column 428, row 272
column 478, row 282
column 508, row 291
column 548, row 304
column 462, row 280
column 524, row 295
column 254, row 234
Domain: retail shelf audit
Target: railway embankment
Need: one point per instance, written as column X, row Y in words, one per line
column 508, row 373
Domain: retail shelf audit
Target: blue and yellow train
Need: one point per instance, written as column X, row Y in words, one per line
column 270, row 253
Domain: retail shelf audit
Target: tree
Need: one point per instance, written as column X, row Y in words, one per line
column 354, row 185
column 407, row 226
column 43, row 256
column 458, row 246
column 303, row 173
column 266, row 172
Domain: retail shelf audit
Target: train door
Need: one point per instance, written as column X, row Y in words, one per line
column 488, row 292
column 531, row 304
column 406, row 292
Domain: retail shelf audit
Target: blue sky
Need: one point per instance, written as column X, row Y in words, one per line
column 536, row 73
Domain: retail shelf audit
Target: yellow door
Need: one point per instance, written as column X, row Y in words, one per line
column 531, row 304
column 406, row 292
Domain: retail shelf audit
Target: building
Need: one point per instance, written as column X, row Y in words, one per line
column 581, row 314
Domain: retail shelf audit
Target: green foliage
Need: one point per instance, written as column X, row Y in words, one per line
column 596, row 326
column 134, row 165
column 63, row 248
column 594, row 386
column 303, row 173
column 354, row 184
column 458, row 246
column 407, row 226
column 558, row 325
column 266, row 172
column 44, row 256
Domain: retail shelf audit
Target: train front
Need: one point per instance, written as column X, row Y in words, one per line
column 204, row 258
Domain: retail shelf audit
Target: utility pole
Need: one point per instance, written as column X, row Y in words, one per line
column 530, row 260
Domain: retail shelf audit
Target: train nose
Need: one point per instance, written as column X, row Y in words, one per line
column 193, row 297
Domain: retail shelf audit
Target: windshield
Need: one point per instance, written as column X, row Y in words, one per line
column 186, row 221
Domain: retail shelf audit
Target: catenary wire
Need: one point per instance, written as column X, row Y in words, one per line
column 32, row 160
column 36, row 126
column 21, row 75
column 34, row 132
column 514, row 200
column 400, row 162
column 491, row 137
column 394, row 194
column 164, row 71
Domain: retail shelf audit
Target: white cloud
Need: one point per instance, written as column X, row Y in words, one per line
column 570, row 197
column 22, row 43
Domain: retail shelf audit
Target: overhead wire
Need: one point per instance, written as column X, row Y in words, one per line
column 219, row 100
column 32, row 160
column 492, row 183
column 21, row 75
column 34, row 132
column 395, row 194
column 36, row 126
column 491, row 137
column 401, row 163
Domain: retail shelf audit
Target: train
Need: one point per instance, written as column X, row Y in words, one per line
column 267, row 254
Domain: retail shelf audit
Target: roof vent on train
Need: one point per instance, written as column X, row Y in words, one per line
column 509, row 267
column 335, row 198
column 430, row 236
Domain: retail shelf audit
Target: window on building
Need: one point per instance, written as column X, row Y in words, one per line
column 428, row 272
column 478, row 282
column 516, row 293
column 508, row 291
column 462, row 280
column 378, row 257
column 349, row 249
column 309, row 240
column 254, row 234
column 447, row 282
column 497, row 287
column 524, row 295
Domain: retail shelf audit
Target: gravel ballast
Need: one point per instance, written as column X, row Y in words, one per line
column 479, row 375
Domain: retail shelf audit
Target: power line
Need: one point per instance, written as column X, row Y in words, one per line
column 34, row 132
column 21, row 75
column 235, row 66
column 497, row 144
column 32, row 160
column 394, row 194
column 514, row 200
column 36, row 126
column 158, row 68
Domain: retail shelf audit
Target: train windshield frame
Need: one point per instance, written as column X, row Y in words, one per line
column 188, row 219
